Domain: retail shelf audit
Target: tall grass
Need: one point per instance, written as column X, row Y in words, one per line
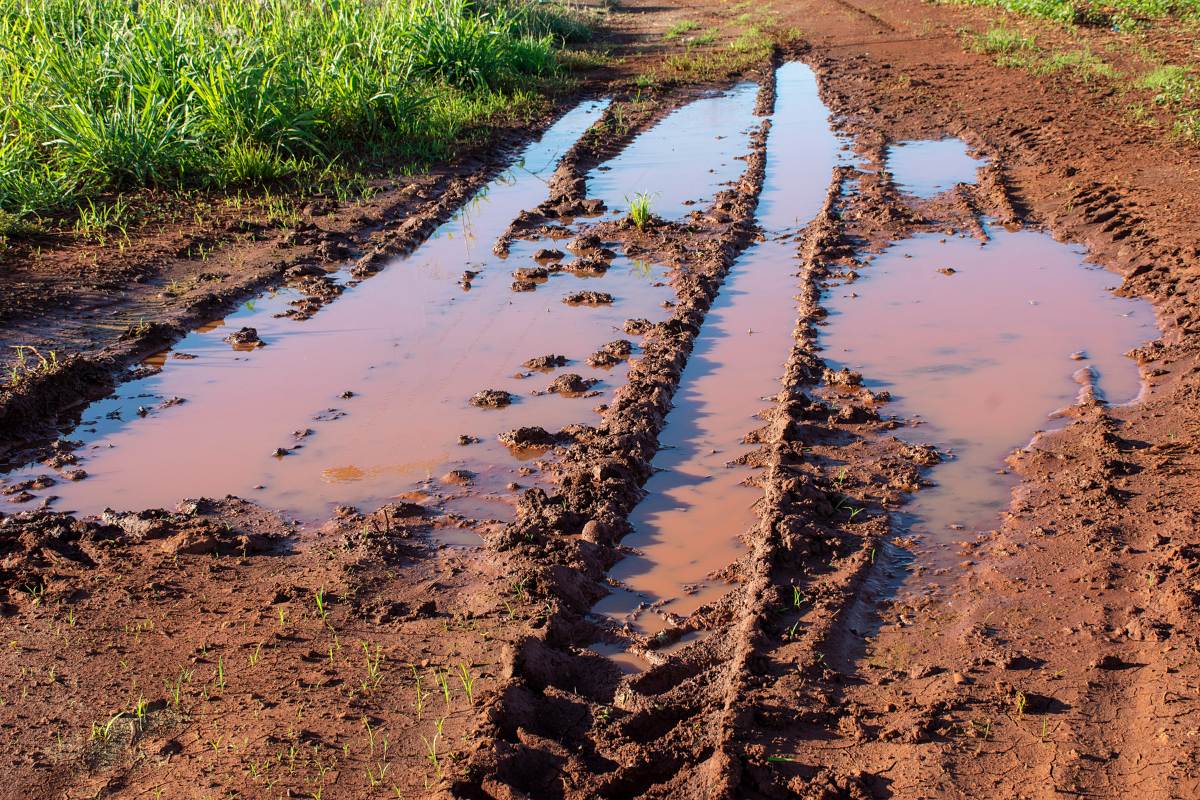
column 101, row 95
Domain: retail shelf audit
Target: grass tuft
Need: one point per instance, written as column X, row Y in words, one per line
column 639, row 209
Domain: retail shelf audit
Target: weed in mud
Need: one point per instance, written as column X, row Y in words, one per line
column 322, row 607
column 36, row 592
column 755, row 38
column 584, row 59
column 97, row 221
column 1084, row 64
column 639, row 209
column 103, row 95
column 175, row 689
column 442, row 678
column 28, row 362
column 102, row 733
column 419, row 704
column 1003, row 41
column 374, row 671
column 139, row 711
column 1020, row 703
column 1171, row 85
column 431, row 749
column 468, row 682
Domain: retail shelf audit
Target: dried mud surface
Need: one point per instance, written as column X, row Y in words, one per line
column 1062, row 659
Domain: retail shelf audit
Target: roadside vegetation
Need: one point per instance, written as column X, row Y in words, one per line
column 749, row 37
column 1112, row 45
column 1118, row 13
column 104, row 96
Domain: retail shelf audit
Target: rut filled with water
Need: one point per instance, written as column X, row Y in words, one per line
column 697, row 504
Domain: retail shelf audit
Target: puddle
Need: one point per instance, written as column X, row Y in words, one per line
column 368, row 399
column 629, row 663
column 410, row 344
column 696, row 509
column 455, row 537
column 983, row 356
column 928, row 168
column 685, row 159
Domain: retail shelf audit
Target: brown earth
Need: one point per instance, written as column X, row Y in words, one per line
column 1061, row 660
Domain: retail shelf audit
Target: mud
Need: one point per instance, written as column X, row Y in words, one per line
column 1051, row 656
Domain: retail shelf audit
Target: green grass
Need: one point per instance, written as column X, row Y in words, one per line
column 680, row 28
column 1173, row 87
column 1178, row 89
column 1082, row 63
column 1171, row 84
column 1119, row 13
column 99, row 96
column 1002, row 41
column 639, row 209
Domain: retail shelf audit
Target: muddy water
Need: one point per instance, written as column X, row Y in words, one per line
column 928, row 168
column 981, row 358
column 688, row 157
column 697, row 507
column 409, row 345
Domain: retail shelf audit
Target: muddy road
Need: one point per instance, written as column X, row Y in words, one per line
column 824, row 431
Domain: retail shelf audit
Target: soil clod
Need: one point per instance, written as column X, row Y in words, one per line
column 588, row 298
column 491, row 398
column 571, row 384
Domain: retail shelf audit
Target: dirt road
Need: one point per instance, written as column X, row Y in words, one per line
column 821, row 480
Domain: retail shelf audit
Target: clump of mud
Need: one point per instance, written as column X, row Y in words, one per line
column 527, row 437
column 591, row 264
column 546, row 362
column 611, row 354
column 571, row 384
column 638, row 327
column 585, row 243
column 245, row 339
column 491, row 398
column 588, row 298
